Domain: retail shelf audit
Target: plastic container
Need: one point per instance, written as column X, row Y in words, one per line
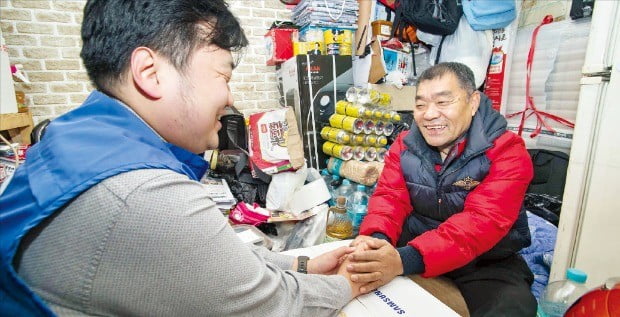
column 560, row 295
column 357, row 207
column 345, row 190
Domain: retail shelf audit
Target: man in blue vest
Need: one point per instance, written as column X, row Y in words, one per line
column 107, row 217
column 450, row 200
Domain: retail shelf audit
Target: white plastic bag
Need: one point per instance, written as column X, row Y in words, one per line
column 283, row 186
column 472, row 48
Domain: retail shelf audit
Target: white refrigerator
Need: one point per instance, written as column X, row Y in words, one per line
column 589, row 228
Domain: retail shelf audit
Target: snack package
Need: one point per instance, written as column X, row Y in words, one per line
column 275, row 144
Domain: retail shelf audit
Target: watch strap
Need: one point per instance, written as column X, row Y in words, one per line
column 302, row 264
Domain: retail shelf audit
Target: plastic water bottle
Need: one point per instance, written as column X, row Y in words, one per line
column 559, row 295
column 345, row 190
column 333, row 187
column 357, row 208
column 327, row 177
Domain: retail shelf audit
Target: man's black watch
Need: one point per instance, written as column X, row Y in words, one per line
column 302, row 264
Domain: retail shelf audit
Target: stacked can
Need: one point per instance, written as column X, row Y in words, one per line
column 338, row 41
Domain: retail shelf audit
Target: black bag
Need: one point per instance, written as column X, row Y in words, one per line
column 439, row 17
column 232, row 135
column 549, row 172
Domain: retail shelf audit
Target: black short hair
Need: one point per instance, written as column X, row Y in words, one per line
column 112, row 29
column 462, row 73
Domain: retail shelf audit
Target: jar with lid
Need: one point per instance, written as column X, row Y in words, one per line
column 339, row 225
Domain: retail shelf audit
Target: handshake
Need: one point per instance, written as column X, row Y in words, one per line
column 368, row 263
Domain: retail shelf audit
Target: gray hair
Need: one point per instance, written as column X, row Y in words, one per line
column 462, row 73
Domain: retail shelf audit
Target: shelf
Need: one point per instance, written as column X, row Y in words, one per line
column 19, row 126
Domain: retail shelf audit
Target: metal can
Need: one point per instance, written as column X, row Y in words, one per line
column 352, row 93
column 379, row 127
column 349, row 109
column 358, row 153
column 382, row 140
column 388, row 129
column 335, row 135
column 340, row 151
column 384, row 99
column 393, row 116
column 351, row 124
column 370, row 153
column 369, row 126
column 370, row 140
column 381, row 152
column 378, row 113
column 340, row 36
column 345, row 49
column 357, row 139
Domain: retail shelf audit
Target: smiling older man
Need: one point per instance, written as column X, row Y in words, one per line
column 450, row 199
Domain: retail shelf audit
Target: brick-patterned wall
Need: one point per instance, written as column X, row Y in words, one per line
column 44, row 36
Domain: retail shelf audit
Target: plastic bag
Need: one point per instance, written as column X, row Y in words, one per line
column 309, row 232
column 472, row 48
column 282, row 187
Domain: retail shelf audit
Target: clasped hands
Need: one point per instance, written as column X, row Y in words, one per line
column 368, row 263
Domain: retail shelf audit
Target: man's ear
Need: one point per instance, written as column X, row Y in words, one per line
column 474, row 102
column 144, row 72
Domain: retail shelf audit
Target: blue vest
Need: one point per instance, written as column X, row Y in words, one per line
column 434, row 196
column 98, row 140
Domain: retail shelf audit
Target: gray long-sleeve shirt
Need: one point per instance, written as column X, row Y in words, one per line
column 151, row 243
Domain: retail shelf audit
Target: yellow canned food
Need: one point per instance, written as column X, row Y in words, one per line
column 348, row 109
column 382, row 140
column 347, row 123
column 370, row 153
column 381, row 152
column 345, row 49
column 358, row 139
column 335, row 135
column 369, row 126
column 384, row 99
column 340, row 151
column 358, row 153
column 370, row 140
column 341, row 36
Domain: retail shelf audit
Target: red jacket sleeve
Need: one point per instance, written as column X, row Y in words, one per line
column 390, row 204
column 489, row 211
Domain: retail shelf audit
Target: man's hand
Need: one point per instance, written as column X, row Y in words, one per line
column 329, row 262
column 342, row 270
column 360, row 239
column 376, row 266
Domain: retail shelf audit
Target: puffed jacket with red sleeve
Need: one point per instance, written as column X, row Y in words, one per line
column 470, row 209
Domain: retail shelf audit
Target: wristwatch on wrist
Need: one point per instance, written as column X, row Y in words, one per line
column 302, row 264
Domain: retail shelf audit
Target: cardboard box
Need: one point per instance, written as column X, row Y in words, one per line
column 403, row 99
column 312, row 84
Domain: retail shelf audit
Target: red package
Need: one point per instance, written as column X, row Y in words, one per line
column 279, row 45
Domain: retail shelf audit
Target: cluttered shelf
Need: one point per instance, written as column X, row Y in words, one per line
column 18, row 125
